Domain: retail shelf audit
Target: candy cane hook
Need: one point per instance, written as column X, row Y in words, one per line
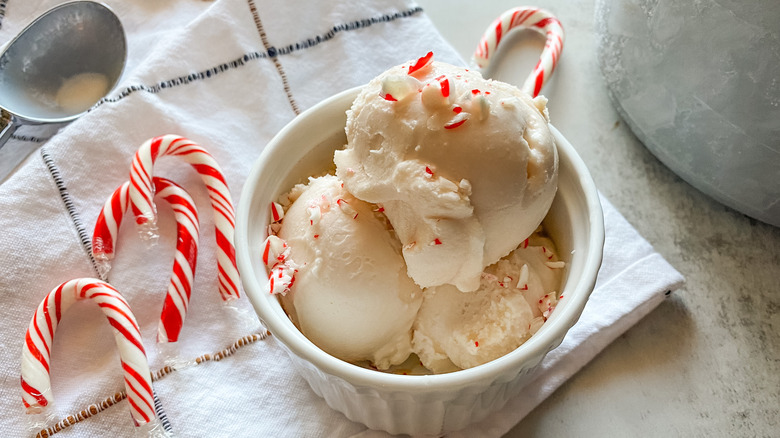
column 36, row 355
column 183, row 271
column 524, row 17
column 142, row 191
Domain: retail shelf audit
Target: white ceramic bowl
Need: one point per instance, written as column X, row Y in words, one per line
column 429, row 404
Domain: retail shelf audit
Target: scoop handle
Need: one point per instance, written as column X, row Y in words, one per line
column 10, row 159
column 8, row 124
column 524, row 17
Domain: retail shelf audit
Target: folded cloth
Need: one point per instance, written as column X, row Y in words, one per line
column 228, row 75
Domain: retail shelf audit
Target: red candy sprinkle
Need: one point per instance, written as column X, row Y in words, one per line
column 437, row 241
column 475, row 91
column 476, row 343
column 428, row 170
column 390, row 98
column 422, row 62
column 457, row 109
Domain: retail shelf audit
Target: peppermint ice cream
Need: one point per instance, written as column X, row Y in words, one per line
column 351, row 295
column 465, row 167
column 427, row 239
column 456, row 330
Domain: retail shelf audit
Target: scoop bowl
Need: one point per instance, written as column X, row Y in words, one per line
column 69, row 39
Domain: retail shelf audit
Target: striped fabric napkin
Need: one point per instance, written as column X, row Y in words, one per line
column 228, row 75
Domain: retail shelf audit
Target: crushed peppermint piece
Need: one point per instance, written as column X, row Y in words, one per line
column 396, row 88
column 555, row 265
column 324, row 204
column 277, row 212
column 315, row 214
column 479, row 105
column 282, row 278
column 281, row 270
column 421, row 63
column 547, row 305
column 274, row 250
column 522, row 282
column 506, row 103
column 346, row 208
column 444, row 83
column 457, row 121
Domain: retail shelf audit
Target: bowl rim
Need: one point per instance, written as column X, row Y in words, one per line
column 298, row 344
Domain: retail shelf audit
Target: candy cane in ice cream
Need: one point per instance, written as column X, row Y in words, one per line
column 36, row 355
column 142, row 191
column 187, row 229
column 527, row 18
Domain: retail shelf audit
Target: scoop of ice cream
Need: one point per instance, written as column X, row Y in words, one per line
column 351, row 295
column 461, row 330
column 465, row 168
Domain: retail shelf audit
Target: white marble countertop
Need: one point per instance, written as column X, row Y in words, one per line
column 707, row 361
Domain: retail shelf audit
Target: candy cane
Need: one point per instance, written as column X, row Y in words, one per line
column 187, row 229
column 36, row 355
column 142, row 190
column 527, row 18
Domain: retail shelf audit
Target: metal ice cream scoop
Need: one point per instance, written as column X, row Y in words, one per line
column 59, row 66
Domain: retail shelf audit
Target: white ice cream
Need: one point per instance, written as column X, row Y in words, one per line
column 351, row 295
column 465, row 168
column 461, row 330
column 78, row 93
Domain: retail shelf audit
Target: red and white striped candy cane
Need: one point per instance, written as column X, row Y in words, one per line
column 142, row 192
column 527, row 18
column 36, row 356
column 187, row 230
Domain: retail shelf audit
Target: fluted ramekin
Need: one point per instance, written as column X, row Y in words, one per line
column 429, row 404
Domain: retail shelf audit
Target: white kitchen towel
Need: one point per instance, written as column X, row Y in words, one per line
column 227, row 74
